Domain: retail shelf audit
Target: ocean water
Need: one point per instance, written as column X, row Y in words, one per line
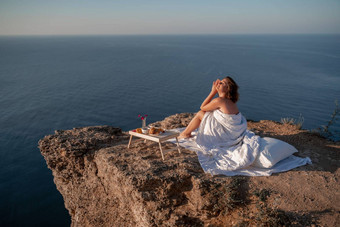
column 62, row 82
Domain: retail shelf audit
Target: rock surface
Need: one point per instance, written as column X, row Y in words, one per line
column 105, row 184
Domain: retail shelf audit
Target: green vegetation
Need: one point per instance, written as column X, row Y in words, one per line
column 230, row 196
column 291, row 121
column 250, row 209
column 325, row 130
column 262, row 195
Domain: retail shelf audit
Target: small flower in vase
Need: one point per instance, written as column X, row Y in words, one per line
column 143, row 118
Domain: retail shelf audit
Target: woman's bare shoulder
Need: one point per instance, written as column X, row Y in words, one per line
column 228, row 106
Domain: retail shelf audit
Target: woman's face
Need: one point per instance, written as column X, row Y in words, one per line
column 222, row 86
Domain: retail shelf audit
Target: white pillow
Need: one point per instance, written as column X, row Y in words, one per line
column 272, row 151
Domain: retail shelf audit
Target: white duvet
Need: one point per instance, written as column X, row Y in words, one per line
column 225, row 146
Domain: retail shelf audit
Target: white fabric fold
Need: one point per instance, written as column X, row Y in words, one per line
column 225, row 146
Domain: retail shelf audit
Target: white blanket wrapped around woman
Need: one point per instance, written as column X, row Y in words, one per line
column 225, row 146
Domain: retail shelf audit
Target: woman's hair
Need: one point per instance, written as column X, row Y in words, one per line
column 232, row 92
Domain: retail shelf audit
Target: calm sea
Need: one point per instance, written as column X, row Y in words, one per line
column 49, row 83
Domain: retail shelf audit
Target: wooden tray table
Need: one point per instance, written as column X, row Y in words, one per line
column 157, row 138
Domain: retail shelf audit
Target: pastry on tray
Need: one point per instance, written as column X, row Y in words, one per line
column 156, row 131
column 139, row 130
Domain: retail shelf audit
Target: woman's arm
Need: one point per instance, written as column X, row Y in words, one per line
column 209, row 104
column 212, row 105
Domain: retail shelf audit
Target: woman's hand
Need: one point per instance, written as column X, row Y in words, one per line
column 208, row 99
column 214, row 86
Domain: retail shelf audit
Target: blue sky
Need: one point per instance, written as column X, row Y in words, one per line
column 47, row 17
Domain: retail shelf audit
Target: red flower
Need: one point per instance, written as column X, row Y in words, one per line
column 142, row 117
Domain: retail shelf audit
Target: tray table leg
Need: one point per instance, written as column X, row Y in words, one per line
column 130, row 141
column 160, row 147
column 179, row 149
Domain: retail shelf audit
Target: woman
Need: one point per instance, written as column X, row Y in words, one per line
column 227, row 91
column 225, row 146
column 222, row 136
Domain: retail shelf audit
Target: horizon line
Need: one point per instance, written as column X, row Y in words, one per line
column 167, row 34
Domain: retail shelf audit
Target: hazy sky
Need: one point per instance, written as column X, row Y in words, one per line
column 20, row 17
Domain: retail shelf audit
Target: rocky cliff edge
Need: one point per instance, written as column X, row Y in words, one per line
column 105, row 184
